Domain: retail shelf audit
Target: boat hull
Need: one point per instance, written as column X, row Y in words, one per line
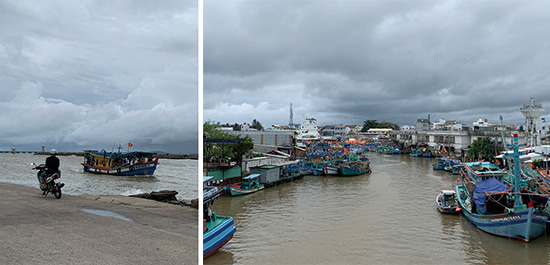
column 524, row 224
column 140, row 169
column 332, row 170
column 219, row 233
column 350, row 172
column 237, row 191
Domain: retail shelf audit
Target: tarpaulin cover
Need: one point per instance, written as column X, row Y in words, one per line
column 487, row 187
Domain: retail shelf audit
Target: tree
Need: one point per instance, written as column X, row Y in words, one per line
column 223, row 150
column 369, row 124
column 387, row 124
column 483, row 148
column 256, row 125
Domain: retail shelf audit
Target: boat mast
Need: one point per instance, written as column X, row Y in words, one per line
column 516, row 171
column 504, row 142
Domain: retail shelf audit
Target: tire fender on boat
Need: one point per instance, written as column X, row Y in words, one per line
column 118, row 170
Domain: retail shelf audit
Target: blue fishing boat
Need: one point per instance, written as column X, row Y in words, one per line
column 354, row 168
column 440, row 164
column 497, row 208
column 120, row 164
column 421, row 152
column 249, row 185
column 217, row 230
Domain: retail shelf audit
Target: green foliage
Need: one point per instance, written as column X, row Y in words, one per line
column 235, row 126
column 483, row 148
column 223, row 150
column 257, row 125
column 369, row 124
column 538, row 163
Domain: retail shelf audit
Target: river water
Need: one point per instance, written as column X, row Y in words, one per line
column 386, row 217
column 171, row 174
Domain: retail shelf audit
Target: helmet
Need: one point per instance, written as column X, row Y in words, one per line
column 53, row 152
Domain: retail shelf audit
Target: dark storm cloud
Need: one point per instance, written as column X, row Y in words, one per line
column 348, row 61
column 96, row 73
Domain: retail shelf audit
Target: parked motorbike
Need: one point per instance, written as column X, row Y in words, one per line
column 51, row 186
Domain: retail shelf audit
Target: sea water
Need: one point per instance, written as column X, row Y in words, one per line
column 171, row 174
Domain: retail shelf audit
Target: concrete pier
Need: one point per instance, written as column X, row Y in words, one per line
column 91, row 229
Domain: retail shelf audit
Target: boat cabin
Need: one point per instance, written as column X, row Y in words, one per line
column 114, row 160
column 250, row 182
column 448, row 197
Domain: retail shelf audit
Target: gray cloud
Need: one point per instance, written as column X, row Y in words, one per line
column 348, row 61
column 99, row 72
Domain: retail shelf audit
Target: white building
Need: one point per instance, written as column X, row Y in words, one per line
column 309, row 130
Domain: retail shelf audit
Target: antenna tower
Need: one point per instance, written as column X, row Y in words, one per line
column 291, row 122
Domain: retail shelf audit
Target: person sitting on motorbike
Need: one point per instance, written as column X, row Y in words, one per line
column 52, row 166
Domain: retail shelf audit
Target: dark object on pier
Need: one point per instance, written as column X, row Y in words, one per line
column 161, row 196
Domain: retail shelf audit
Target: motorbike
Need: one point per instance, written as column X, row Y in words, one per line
column 51, row 186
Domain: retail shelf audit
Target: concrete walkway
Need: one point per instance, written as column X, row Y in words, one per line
column 91, row 229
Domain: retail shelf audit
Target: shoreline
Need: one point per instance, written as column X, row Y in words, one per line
column 163, row 156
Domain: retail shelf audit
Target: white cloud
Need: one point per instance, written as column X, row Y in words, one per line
column 95, row 72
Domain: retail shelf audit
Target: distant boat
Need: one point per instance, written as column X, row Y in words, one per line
column 120, row 164
column 354, row 168
column 332, row 169
column 249, row 185
column 421, row 152
column 446, row 202
column 217, row 230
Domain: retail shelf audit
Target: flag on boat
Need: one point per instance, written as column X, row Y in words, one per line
column 130, row 145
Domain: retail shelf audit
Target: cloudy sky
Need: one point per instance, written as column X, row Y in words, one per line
column 93, row 74
column 349, row 61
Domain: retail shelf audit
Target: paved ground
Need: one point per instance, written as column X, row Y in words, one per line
column 43, row 230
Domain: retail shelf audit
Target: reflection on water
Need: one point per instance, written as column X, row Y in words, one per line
column 171, row 174
column 387, row 217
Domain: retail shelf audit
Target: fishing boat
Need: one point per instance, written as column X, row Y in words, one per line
column 217, row 230
column 354, row 168
column 477, row 171
column 249, row 185
column 120, row 164
column 497, row 208
column 421, row 152
column 332, row 169
column 446, row 202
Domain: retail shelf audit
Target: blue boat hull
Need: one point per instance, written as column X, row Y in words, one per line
column 218, row 236
column 141, row 169
column 523, row 224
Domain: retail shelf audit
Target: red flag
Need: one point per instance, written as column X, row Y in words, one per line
column 130, row 145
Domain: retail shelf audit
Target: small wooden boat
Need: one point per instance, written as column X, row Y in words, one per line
column 249, row 185
column 446, row 202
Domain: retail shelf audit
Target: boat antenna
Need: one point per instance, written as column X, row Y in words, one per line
column 516, row 145
column 504, row 142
